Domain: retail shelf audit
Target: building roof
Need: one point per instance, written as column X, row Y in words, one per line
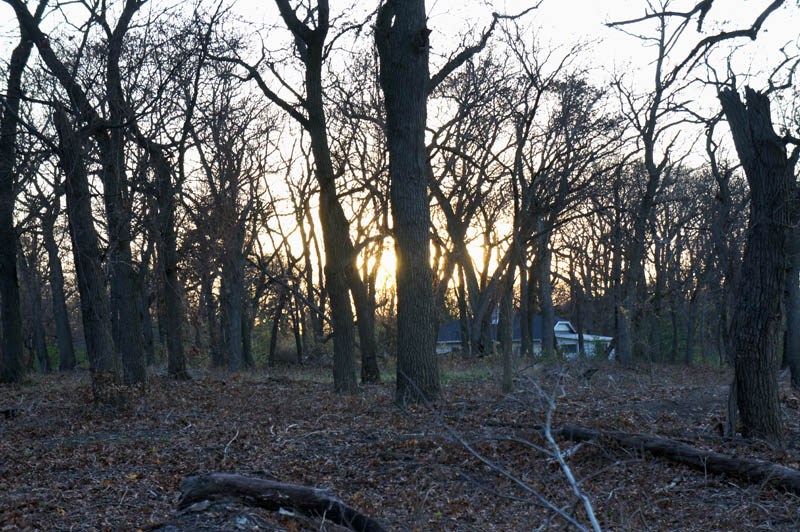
column 450, row 332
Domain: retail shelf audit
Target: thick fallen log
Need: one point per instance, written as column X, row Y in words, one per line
column 751, row 470
column 273, row 495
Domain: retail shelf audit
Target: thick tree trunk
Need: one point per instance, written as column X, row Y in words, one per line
column 126, row 303
column 691, row 328
column 248, row 321
column 622, row 340
column 673, row 353
column 546, row 298
column 66, row 348
column 117, row 193
column 234, row 276
column 758, row 314
column 339, row 260
column 402, row 41
column 103, row 360
column 791, row 344
column 11, row 354
column 505, row 331
column 168, row 253
column 365, row 312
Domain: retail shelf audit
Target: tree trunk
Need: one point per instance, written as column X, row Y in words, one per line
column 66, row 349
column 11, row 354
column 248, row 321
column 103, row 360
column 691, row 328
column 296, row 321
column 30, row 277
column 147, row 324
column 402, row 41
column 463, row 317
column 791, row 344
column 526, row 298
column 276, row 320
column 365, row 312
column 234, row 276
column 505, row 332
column 168, row 253
column 758, row 313
column 546, row 298
column 217, row 360
column 117, row 192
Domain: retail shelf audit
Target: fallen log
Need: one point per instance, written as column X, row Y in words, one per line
column 751, row 470
column 273, row 495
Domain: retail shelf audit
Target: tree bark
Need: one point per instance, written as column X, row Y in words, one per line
column 30, row 277
column 116, row 194
column 546, row 298
column 758, row 313
column 66, row 349
column 11, row 355
column 791, row 344
column 103, row 360
column 168, row 253
column 402, row 41
column 147, row 324
column 505, row 331
column 233, row 273
column 209, row 305
column 276, row 321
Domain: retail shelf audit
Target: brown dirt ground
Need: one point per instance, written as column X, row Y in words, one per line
column 68, row 464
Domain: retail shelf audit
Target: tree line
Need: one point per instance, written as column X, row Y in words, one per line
column 177, row 176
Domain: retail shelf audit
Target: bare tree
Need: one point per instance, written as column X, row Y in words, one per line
column 11, row 361
column 757, row 315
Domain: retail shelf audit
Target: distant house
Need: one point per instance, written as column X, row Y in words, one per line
column 565, row 333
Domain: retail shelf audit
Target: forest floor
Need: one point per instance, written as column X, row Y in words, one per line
column 68, row 464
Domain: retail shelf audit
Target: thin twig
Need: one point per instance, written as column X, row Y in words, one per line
column 225, row 452
column 564, row 467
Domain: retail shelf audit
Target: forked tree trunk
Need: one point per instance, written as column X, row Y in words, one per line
column 757, row 316
column 103, row 360
column 402, row 41
column 168, row 252
column 11, row 353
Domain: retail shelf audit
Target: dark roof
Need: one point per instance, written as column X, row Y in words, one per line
column 451, row 331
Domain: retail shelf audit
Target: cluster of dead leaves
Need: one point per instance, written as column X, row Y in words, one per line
column 66, row 463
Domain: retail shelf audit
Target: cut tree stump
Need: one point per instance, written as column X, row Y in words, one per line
column 273, row 495
column 751, row 470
